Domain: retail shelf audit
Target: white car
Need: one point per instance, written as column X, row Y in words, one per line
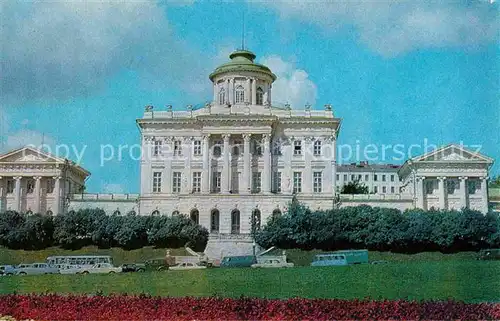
column 99, row 268
column 272, row 263
column 70, row 269
column 187, row 266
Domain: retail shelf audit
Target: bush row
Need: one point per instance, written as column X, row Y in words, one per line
column 59, row 307
column 381, row 229
column 94, row 227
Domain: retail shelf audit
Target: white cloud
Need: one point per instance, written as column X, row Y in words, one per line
column 62, row 49
column 112, row 188
column 394, row 27
column 292, row 86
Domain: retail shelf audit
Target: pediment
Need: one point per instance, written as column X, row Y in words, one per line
column 453, row 153
column 28, row 155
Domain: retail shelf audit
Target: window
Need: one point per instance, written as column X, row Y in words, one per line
column 345, row 177
column 10, row 186
column 297, row 182
column 353, row 177
column 50, row 213
column 197, row 148
column 235, row 222
column 359, row 177
column 429, row 186
column 256, row 182
column 222, row 96
column 195, row 216
column 257, row 148
column 375, row 177
column 384, row 189
column 260, row 96
column 337, row 177
column 175, row 213
column 117, row 213
column 157, row 148
column 50, row 186
column 155, row 213
column 472, row 186
column 383, row 178
column 196, row 182
column 392, row 178
column 240, row 95
column 237, row 147
column 366, row 178
column 317, row 182
column 277, row 148
column 297, row 147
column 214, row 221
column 176, row 182
column 276, row 213
column 255, row 223
column 277, row 182
column 217, row 151
column 177, row 148
column 338, row 189
column 375, row 189
column 392, row 189
column 451, row 185
column 30, row 186
column 216, row 177
column 317, row 148
column 157, row 182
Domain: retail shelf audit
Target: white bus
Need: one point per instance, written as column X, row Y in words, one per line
column 80, row 260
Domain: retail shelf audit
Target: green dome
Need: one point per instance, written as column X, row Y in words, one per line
column 241, row 60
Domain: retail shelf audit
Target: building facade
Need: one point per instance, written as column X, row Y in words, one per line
column 378, row 178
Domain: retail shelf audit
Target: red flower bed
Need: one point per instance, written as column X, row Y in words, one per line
column 122, row 307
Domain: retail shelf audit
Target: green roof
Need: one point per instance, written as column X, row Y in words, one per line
column 241, row 60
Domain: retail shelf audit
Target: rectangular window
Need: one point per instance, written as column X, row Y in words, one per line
column 177, row 148
column 297, row 182
column 157, row 182
column 375, row 189
column 50, row 186
column 257, row 148
column 353, row 177
column 451, row 185
column 176, row 182
column 383, row 178
column 366, row 178
column 217, row 151
column 392, row 178
column 10, row 186
column 317, row 148
column 216, row 179
column 472, row 186
column 429, row 187
column 157, row 147
column 30, row 186
column 196, row 182
column 256, row 182
column 375, row 177
column 297, row 147
column 317, row 182
column 384, row 189
column 277, row 148
column 337, row 177
column 237, row 148
column 345, row 177
column 197, row 148
column 359, row 177
column 392, row 189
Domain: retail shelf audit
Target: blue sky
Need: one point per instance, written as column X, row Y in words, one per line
column 396, row 73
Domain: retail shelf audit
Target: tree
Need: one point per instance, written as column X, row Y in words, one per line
column 495, row 182
column 354, row 187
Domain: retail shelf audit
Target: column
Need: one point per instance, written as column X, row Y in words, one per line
column 248, row 93
column 216, row 94
column 37, row 194
column 225, row 175
column 330, row 182
column 463, row 192
column 231, row 91
column 484, row 195
column 266, row 174
column 420, row 192
column 442, row 192
column 3, row 191
column 57, row 196
column 226, row 98
column 205, row 176
column 307, row 178
column 166, row 180
column 245, row 188
column 17, row 195
column 187, row 150
column 269, row 94
column 254, row 91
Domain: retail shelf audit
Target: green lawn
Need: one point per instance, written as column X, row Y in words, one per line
column 470, row 281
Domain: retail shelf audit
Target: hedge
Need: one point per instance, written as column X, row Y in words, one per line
column 94, row 227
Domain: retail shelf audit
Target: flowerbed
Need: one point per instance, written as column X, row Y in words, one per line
column 123, row 307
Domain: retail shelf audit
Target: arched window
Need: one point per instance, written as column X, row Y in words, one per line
column 175, row 213
column 49, row 212
column 155, row 212
column 117, row 212
column 132, row 213
column 260, row 96
column 240, row 95
column 222, row 96
column 29, row 212
column 235, row 222
column 255, row 220
column 195, row 216
column 276, row 213
column 214, row 221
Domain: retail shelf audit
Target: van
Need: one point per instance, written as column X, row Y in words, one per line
column 346, row 257
column 238, row 261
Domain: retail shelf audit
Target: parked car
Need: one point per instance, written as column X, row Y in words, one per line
column 100, row 268
column 7, row 270
column 347, row 257
column 133, row 267
column 238, row 261
column 35, row 268
column 70, row 269
column 272, row 263
column 187, row 266
column 159, row 264
column 489, row 254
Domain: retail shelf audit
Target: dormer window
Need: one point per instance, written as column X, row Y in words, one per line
column 222, row 96
column 260, row 96
column 240, row 95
